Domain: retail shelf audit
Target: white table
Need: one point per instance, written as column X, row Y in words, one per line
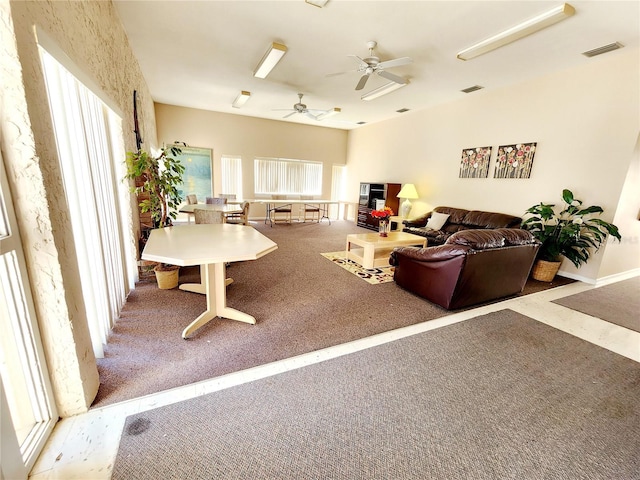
column 375, row 250
column 211, row 246
column 271, row 204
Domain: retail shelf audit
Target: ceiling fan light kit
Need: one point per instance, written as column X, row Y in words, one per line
column 522, row 30
column 274, row 54
column 383, row 90
column 241, row 99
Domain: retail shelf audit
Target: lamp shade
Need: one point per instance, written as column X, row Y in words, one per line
column 408, row 191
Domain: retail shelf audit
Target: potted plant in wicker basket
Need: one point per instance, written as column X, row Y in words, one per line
column 572, row 232
column 156, row 184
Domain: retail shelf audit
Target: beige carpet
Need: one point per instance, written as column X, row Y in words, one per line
column 302, row 302
column 617, row 303
column 499, row 396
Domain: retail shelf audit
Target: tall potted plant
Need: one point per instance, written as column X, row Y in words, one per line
column 157, row 180
column 572, row 232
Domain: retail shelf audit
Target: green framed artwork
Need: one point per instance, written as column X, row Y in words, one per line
column 198, row 172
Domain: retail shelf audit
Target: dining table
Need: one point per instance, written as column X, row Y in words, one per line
column 211, row 246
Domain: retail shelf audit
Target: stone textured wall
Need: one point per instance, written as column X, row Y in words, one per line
column 91, row 35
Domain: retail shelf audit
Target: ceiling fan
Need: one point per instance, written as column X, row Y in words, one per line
column 372, row 64
column 302, row 109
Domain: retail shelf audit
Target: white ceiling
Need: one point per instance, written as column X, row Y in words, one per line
column 201, row 54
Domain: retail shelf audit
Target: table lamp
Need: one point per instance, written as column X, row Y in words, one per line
column 407, row 192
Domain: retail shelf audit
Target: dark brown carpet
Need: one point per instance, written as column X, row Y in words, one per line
column 500, row 396
column 302, row 302
column 617, row 303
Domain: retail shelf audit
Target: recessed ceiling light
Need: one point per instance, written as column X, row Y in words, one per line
column 271, row 58
column 512, row 34
column 383, row 90
column 317, row 3
column 241, row 99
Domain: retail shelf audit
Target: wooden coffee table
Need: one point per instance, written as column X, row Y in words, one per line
column 374, row 250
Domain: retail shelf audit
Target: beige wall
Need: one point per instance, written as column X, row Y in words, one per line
column 585, row 121
column 91, row 35
column 249, row 138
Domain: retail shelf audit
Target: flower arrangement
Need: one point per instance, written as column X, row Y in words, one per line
column 383, row 214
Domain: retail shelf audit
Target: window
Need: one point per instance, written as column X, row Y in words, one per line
column 286, row 176
column 232, row 175
column 89, row 140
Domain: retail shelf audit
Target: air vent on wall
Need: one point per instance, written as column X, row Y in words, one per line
column 472, row 89
column 604, row 49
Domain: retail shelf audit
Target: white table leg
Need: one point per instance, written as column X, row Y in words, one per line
column 214, row 284
column 368, row 257
column 201, row 287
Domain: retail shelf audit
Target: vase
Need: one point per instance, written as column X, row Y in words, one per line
column 383, row 227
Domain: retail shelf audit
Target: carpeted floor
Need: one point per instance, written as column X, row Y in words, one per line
column 500, row 396
column 617, row 303
column 301, row 301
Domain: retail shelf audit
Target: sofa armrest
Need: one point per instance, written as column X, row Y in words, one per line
column 420, row 221
column 429, row 254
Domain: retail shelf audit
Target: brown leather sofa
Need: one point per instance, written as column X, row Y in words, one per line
column 459, row 219
column 473, row 266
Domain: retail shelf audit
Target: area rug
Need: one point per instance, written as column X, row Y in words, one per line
column 497, row 396
column 370, row 275
column 617, row 303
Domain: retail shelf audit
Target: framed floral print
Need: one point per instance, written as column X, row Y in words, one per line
column 515, row 161
column 475, row 162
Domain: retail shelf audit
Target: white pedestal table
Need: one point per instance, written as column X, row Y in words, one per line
column 211, row 246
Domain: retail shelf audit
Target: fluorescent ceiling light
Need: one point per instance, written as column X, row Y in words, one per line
column 317, row 3
column 271, row 58
column 328, row 113
column 383, row 90
column 241, row 99
column 519, row 31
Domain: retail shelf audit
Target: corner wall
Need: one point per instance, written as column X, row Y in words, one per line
column 585, row 122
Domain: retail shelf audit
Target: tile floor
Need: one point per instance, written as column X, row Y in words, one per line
column 85, row 446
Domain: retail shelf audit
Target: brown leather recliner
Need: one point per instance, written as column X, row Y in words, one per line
column 472, row 267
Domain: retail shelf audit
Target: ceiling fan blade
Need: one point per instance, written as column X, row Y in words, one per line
column 288, row 115
column 361, row 63
column 395, row 63
column 362, row 82
column 338, row 73
column 392, row 77
column 310, row 115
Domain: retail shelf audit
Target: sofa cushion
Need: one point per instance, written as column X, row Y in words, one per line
column 478, row 239
column 480, row 219
column 456, row 215
column 437, row 220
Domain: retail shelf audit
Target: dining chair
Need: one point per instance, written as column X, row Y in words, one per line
column 192, row 199
column 309, row 210
column 216, row 201
column 240, row 218
column 208, row 216
column 284, row 210
column 228, row 196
